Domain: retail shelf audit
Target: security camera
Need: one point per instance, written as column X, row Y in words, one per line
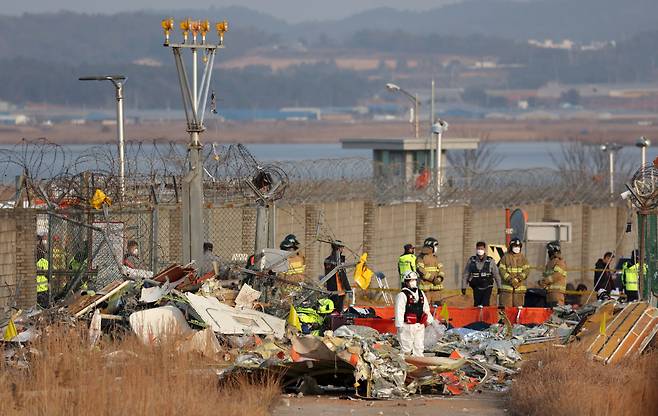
column 440, row 126
column 643, row 142
column 625, row 195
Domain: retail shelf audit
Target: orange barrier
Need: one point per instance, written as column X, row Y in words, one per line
column 460, row 317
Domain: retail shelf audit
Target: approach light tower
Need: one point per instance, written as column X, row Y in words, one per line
column 194, row 102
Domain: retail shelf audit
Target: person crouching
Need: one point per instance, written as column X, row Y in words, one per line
column 412, row 314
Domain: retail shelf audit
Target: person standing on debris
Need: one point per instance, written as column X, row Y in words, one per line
column 131, row 258
column 338, row 282
column 514, row 269
column 555, row 275
column 603, row 273
column 296, row 262
column 480, row 274
column 430, row 270
column 210, row 262
column 406, row 262
column 630, row 277
column 412, row 314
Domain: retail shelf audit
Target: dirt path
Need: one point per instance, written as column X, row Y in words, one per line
column 485, row 404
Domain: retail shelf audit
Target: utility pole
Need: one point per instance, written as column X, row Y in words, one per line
column 438, row 129
column 432, row 112
column 194, row 104
column 611, row 148
column 117, row 81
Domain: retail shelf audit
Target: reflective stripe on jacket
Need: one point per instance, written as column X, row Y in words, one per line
column 42, row 280
column 632, row 276
column 406, row 262
column 513, row 266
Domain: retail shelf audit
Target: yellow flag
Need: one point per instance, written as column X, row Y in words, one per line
column 362, row 274
column 444, row 312
column 293, row 319
column 603, row 324
column 99, row 199
column 11, row 331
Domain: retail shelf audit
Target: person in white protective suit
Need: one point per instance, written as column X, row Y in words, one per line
column 412, row 315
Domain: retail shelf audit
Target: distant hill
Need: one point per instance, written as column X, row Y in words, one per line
column 582, row 20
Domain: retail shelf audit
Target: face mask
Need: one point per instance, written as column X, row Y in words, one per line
column 479, row 252
column 516, row 250
column 413, row 284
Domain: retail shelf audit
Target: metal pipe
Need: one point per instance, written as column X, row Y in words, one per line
column 122, row 149
column 194, row 80
column 612, row 171
column 416, row 115
column 439, row 144
column 642, row 217
column 432, row 110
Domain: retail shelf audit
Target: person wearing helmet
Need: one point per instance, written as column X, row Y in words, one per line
column 412, row 314
column 430, row 270
column 296, row 262
column 338, row 282
column 406, row 262
column 514, row 269
column 555, row 275
column 480, row 274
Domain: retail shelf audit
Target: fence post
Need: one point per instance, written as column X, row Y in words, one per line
column 154, row 238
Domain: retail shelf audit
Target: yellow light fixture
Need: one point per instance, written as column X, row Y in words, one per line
column 204, row 27
column 185, row 27
column 194, row 27
column 222, row 27
column 167, row 25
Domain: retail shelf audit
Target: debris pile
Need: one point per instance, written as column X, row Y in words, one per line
column 316, row 349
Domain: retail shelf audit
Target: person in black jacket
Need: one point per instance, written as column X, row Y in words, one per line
column 338, row 282
column 603, row 273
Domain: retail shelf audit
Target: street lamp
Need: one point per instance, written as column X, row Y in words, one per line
column 438, row 128
column 117, row 81
column 643, row 143
column 195, row 97
column 611, row 148
column 414, row 99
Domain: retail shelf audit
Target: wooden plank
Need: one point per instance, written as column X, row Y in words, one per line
column 103, row 298
column 601, row 340
column 85, row 301
column 604, row 346
column 631, row 343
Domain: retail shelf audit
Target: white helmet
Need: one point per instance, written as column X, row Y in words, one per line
column 410, row 275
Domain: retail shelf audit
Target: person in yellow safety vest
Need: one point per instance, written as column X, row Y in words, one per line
column 430, row 270
column 406, row 262
column 630, row 277
column 514, row 269
column 555, row 275
column 42, row 283
column 296, row 262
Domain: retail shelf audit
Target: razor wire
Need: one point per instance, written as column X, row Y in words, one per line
column 49, row 175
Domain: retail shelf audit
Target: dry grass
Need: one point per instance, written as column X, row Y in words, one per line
column 564, row 382
column 67, row 377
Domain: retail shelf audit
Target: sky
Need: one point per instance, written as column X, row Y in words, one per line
column 290, row 10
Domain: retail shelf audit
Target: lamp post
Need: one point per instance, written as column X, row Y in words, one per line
column 194, row 103
column 414, row 99
column 438, row 128
column 643, row 143
column 611, row 148
column 117, row 81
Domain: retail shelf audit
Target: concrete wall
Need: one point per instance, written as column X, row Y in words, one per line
column 18, row 230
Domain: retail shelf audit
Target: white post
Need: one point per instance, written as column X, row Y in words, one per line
column 416, row 114
column 194, row 80
column 122, row 159
column 439, row 137
column 644, row 155
column 431, row 123
column 612, row 171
